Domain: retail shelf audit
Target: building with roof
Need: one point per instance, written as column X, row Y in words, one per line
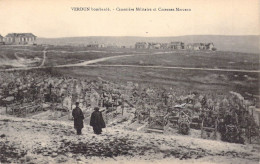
column 164, row 46
column 1, row 39
column 200, row 46
column 209, row 46
column 176, row 45
column 154, row 45
column 96, row 45
column 20, row 38
column 141, row 45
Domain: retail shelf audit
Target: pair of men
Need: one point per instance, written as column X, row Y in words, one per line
column 96, row 120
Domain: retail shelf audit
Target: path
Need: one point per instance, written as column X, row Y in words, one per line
column 96, row 61
column 182, row 68
column 40, row 141
column 44, row 57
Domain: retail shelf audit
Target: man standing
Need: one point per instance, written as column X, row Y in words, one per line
column 97, row 121
column 78, row 118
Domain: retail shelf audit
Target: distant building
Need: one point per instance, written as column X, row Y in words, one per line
column 154, row 45
column 200, row 46
column 176, row 45
column 164, row 45
column 20, row 38
column 209, row 46
column 189, row 46
column 112, row 45
column 150, row 45
column 102, row 45
column 96, row 45
column 1, row 39
column 141, row 45
column 93, row 45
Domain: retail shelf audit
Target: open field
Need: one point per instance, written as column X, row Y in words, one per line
column 186, row 80
column 62, row 55
column 56, row 55
column 55, row 58
column 22, row 47
column 199, row 59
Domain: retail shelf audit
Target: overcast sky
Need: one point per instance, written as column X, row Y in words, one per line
column 54, row 18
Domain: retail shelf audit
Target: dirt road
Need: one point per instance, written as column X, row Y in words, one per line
column 182, row 68
column 44, row 57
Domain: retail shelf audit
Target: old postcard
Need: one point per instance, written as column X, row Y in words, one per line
column 129, row 81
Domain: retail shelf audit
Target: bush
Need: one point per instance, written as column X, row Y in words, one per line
column 214, row 49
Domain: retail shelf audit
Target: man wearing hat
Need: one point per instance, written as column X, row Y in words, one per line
column 97, row 121
column 78, row 118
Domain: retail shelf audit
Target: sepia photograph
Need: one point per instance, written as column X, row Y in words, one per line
column 130, row 81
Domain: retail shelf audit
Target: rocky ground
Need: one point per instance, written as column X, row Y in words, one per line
column 24, row 140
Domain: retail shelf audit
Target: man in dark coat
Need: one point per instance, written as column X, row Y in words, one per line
column 97, row 121
column 78, row 118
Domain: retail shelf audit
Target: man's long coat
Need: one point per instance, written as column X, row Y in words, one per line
column 78, row 118
column 97, row 120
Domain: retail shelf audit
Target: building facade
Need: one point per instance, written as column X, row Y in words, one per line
column 209, row 46
column 96, row 45
column 141, row 45
column 20, row 38
column 1, row 39
column 200, row 46
column 177, row 45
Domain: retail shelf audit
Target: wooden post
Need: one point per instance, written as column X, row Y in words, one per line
column 70, row 109
column 149, row 116
column 250, row 134
column 201, row 128
column 123, row 104
column 106, row 117
column 215, row 130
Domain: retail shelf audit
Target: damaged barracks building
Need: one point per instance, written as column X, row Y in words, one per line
column 96, row 45
column 150, row 45
column 175, row 46
column 200, row 46
column 141, row 45
column 1, row 40
column 19, row 39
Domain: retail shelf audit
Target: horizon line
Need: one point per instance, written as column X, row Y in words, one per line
column 142, row 36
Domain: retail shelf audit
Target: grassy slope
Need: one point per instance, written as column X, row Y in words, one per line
column 8, row 58
column 185, row 80
column 60, row 55
column 201, row 59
